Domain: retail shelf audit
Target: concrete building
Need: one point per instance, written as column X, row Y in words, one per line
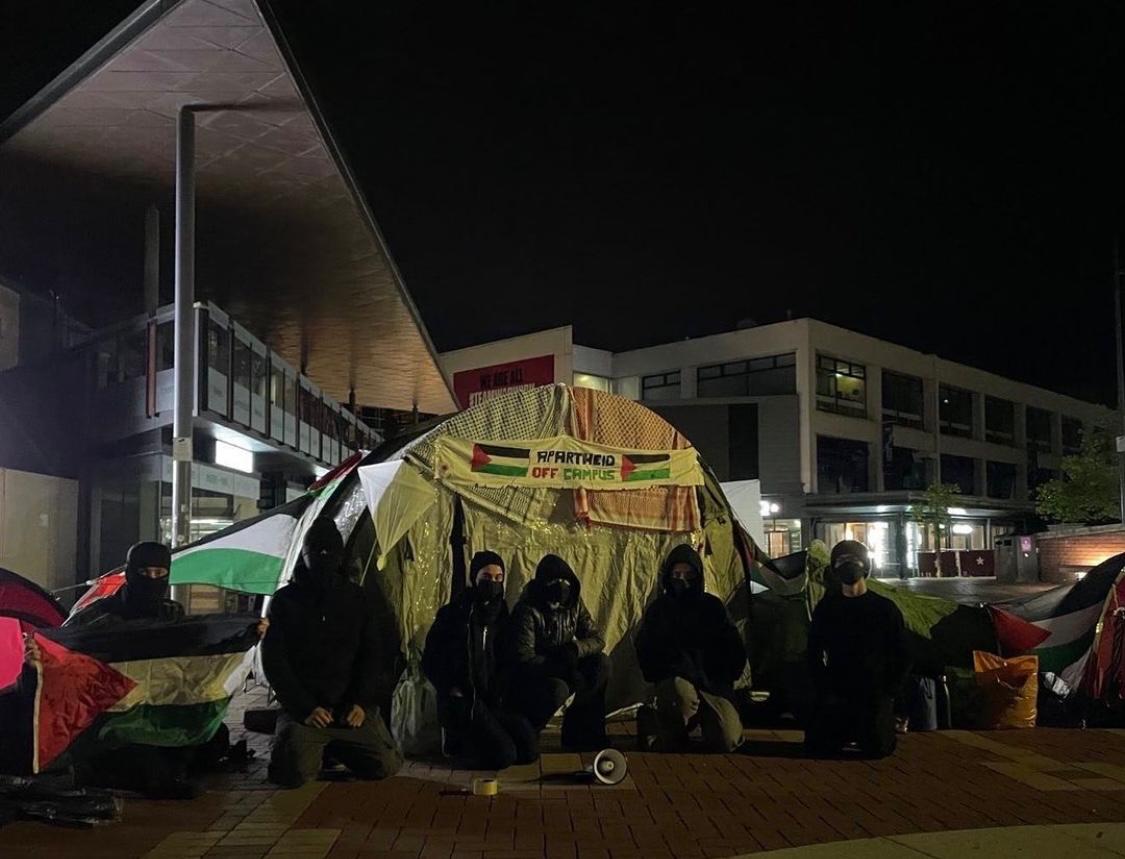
column 178, row 179
column 843, row 430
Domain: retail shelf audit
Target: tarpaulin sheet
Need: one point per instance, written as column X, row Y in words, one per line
column 397, row 496
column 608, row 419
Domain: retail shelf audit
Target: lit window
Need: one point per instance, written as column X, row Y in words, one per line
column 229, row 456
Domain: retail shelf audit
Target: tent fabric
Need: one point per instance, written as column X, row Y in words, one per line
column 398, row 495
column 22, row 598
column 11, row 652
column 1015, row 634
column 745, row 497
column 1104, row 671
column 537, row 413
column 616, row 421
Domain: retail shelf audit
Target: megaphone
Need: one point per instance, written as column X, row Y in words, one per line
column 609, row 767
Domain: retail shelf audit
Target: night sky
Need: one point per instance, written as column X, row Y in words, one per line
column 947, row 176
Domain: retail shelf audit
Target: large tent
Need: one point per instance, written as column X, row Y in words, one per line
column 597, row 479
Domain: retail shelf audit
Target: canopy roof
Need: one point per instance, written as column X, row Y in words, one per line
column 285, row 240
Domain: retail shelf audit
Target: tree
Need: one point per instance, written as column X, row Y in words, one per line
column 933, row 510
column 1088, row 491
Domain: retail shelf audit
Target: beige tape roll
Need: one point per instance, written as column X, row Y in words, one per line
column 486, row 786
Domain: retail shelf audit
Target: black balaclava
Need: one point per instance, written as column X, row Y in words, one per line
column 144, row 596
column 486, row 593
column 557, row 582
column 322, row 554
column 850, row 562
column 677, row 588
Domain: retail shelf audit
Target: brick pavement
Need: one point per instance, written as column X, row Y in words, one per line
column 689, row 805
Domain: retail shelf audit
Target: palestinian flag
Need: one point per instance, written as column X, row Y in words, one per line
column 645, row 466
column 248, row 557
column 503, row 461
column 140, row 682
column 1069, row 616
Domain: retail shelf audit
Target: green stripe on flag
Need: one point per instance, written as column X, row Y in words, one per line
column 503, row 470
column 163, row 725
column 234, row 569
column 1055, row 659
column 654, row 474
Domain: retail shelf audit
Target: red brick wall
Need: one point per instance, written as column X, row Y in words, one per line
column 1078, row 550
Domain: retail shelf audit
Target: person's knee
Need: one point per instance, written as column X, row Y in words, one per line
column 555, row 693
column 375, row 767
column 677, row 695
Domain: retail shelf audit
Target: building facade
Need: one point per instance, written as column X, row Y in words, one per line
column 844, row 431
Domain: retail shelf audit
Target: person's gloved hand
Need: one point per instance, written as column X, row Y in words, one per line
column 562, row 661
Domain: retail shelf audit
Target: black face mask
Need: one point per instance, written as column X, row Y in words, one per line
column 558, row 592
column 682, row 589
column 144, row 594
column 488, row 591
column 850, row 572
column 321, row 565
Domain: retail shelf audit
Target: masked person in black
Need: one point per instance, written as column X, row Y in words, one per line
column 858, row 659
column 144, row 594
column 559, row 652
column 462, row 659
column 688, row 646
column 319, row 657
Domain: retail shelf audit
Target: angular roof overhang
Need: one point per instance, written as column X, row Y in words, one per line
column 285, row 241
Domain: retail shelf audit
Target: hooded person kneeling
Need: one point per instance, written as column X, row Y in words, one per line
column 559, row 652
column 859, row 658
column 463, row 659
column 689, row 648
column 319, row 656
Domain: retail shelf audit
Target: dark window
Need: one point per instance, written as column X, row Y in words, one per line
column 165, row 346
column 999, row 421
column 1036, row 477
column 218, row 348
column 903, row 400
column 758, row 377
column 241, row 364
column 841, row 465
column 841, row 386
column 1038, row 429
column 742, row 425
column 1071, row 435
column 1001, row 480
column 258, row 377
column 132, row 354
column 905, row 470
column 277, row 391
column 956, row 411
column 662, row 386
column 959, row 471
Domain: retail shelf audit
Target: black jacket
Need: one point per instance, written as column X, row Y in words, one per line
column 320, row 648
column 464, row 650
column 691, row 637
column 858, row 646
column 539, row 633
column 113, row 609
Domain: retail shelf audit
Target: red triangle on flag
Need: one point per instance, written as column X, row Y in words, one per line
column 1015, row 634
column 479, row 457
column 74, row 689
column 627, row 467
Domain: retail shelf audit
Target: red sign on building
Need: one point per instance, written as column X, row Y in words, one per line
column 476, row 386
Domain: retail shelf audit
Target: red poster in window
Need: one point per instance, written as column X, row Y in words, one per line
column 476, row 386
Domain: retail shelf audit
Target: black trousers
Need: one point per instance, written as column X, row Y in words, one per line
column 837, row 720
column 298, row 750
column 493, row 738
column 539, row 696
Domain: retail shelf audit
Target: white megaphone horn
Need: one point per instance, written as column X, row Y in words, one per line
column 609, row 767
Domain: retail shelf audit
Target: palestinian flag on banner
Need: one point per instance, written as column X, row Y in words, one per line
column 140, row 682
column 248, row 557
column 502, row 461
column 1069, row 616
column 645, row 466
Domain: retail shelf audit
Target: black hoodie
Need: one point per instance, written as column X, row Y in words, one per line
column 464, row 649
column 540, row 632
column 320, row 650
column 690, row 636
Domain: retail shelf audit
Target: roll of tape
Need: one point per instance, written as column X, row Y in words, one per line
column 486, row 787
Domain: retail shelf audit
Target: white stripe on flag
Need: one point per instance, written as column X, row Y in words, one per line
column 270, row 537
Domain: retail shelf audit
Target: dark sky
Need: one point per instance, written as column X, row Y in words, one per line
column 946, row 175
